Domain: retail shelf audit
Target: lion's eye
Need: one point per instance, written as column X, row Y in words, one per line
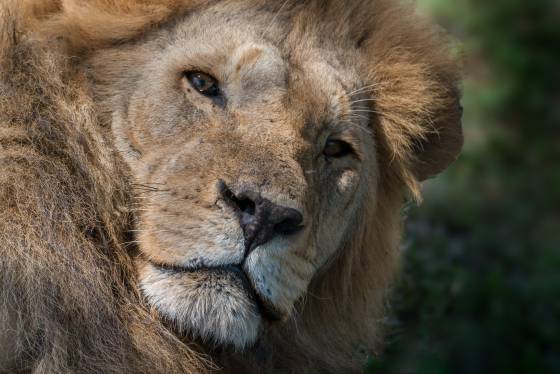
column 203, row 83
column 336, row 149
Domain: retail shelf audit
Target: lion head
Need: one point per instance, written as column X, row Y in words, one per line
column 254, row 137
column 270, row 148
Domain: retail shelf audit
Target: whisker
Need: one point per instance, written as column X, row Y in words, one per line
column 360, row 90
column 354, row 116
column 351, row 117
column 152, row 195
column 318, row 297
column 149, row 194
column 148, row 188
column 381, row 114
column 366, row 110
column 274, row 18
column 150, row 231
column 360, row 127
column 160, row 215
column 136, row 242
column 361, row 101
column 147, row 185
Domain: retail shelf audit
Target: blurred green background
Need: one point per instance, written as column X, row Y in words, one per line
column 480, row 290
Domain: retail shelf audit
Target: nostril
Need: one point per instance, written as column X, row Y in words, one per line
column 291, row 224
column 227, row 194
column 287, row 228
column 241, row 203
column 245, row 204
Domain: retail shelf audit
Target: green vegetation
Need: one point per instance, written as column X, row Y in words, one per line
column 480, row 291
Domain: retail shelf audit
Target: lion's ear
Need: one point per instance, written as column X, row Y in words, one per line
column 441, row 145
column 414, row 78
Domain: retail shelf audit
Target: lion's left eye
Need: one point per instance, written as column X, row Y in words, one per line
column 336, row 149
column 203, row 83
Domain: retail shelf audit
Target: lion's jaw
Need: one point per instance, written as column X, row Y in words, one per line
column 282, row 103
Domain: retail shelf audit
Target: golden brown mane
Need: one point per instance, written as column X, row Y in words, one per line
column 65, row 274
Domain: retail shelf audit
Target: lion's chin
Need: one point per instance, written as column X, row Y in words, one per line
column 216, row 305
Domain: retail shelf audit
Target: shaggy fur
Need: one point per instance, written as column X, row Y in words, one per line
column 75, row 297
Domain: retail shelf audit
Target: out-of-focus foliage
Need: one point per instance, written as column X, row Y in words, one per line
column 480, row 291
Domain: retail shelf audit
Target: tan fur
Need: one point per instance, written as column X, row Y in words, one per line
column 110, row 161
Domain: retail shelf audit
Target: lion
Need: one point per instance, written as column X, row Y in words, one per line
column 199, row 186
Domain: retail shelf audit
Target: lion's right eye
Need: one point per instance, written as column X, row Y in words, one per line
column 336, row 149
column 203, row 83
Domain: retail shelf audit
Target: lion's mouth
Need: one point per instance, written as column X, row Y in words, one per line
column 265, row 307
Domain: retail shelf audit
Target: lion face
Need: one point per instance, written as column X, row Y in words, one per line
column 252, row 160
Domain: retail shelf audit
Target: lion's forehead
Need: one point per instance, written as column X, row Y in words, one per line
column 267, row 79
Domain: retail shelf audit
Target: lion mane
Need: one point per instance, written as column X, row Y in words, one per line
column 69, row 295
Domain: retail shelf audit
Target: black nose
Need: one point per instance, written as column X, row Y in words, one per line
column 261, row 220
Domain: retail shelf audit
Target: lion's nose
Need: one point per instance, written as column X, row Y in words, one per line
column 261, row 220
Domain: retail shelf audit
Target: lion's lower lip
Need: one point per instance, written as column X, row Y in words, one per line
column 266, row 309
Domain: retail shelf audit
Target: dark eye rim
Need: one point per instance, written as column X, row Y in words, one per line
column 212, row 92
column 345, row 149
